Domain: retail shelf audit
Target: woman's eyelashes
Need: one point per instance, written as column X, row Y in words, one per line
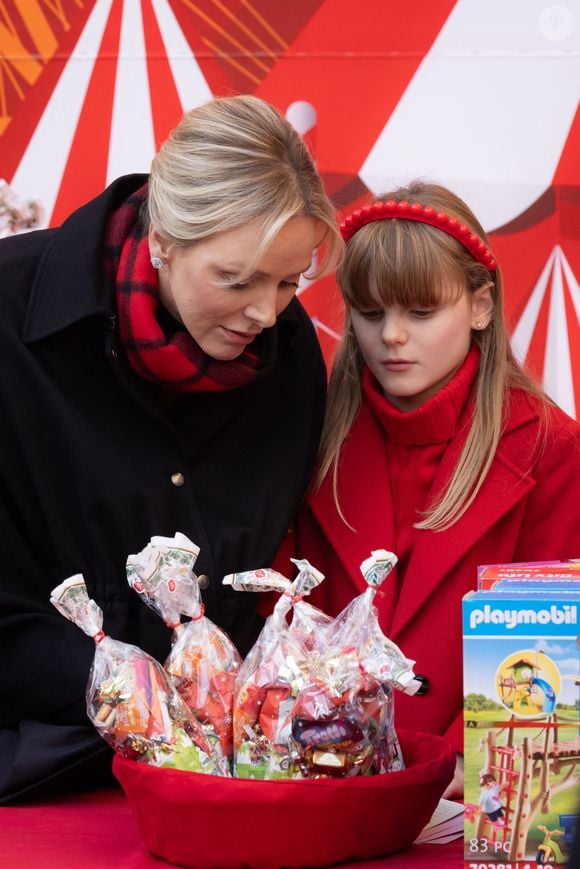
column 231, row 283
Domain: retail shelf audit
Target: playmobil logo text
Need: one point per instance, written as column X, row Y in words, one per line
column 566, row 614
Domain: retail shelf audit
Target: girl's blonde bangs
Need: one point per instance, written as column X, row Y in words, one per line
column 404, row 263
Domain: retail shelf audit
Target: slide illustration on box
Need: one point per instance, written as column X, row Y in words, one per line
column 528, row 683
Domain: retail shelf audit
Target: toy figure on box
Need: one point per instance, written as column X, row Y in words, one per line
column 158, row 374
column 489, row 800
column 436, row 444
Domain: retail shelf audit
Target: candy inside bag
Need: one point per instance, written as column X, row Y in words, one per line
column 203, row 662
column 342, row 721
column 338, row 719
column 273, row 672
column 130, row 699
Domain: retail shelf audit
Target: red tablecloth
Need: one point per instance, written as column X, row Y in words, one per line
column 97, row 830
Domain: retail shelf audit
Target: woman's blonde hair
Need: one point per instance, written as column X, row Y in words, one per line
column 233, row 160
column 415, row 265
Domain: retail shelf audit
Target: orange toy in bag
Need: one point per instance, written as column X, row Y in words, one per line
column 342, row 720
column 203, row 662
column 273, row 672
column 130, row 699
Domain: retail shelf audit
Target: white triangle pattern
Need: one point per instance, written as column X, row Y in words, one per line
column 42, row 166
column 132, row 141
column 132, row 146
column 522, row 335
column 572, row 285
column 557, row 375
column 318, row 324
column 558, row 379
column 190, row 82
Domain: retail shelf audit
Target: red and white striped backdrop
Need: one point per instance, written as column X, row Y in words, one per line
column 481, row 96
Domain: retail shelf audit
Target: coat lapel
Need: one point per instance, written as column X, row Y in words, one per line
column 366, row 502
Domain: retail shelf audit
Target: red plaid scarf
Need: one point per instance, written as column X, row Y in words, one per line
column 176, row 362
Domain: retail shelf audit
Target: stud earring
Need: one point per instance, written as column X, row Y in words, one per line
column 157, row 262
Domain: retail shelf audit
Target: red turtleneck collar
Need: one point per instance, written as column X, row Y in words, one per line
column 433, row 422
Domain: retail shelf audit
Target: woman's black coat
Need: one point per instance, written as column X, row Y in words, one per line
column 88, row 458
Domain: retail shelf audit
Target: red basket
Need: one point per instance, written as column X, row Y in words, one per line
column 207, row 822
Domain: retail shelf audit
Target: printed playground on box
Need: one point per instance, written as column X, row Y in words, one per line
column 521, row 713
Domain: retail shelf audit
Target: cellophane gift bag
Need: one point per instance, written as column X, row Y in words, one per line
column 342, row 721
column 203, row 662
column 273, row 672
column 130, row 698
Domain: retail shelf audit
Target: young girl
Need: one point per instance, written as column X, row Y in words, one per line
column 436, row 444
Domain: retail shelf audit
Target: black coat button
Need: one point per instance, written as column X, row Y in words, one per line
column 425, row 684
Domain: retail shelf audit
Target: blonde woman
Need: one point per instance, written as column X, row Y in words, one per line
column 436, row 444
column 158, row 375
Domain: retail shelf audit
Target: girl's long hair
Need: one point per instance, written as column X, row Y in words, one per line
column 415, row 265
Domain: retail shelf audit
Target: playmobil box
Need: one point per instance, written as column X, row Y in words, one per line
column 528, row 572
column 521, row 655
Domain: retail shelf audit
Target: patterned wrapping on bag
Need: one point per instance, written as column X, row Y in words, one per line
column 273, row 673
column 130, row 699
column 343, row 720
column 203, row 662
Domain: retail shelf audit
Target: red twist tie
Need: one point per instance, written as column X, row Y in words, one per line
column 294, row 598
column 200, row 614
column 99, row 636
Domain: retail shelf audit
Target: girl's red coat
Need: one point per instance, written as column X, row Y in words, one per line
column 526, row 510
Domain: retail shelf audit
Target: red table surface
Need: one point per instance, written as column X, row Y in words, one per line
column 96, row 830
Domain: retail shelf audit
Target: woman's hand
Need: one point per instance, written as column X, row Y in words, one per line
column 455, row 788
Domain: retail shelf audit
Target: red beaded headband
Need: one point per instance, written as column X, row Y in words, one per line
column 423, row 214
